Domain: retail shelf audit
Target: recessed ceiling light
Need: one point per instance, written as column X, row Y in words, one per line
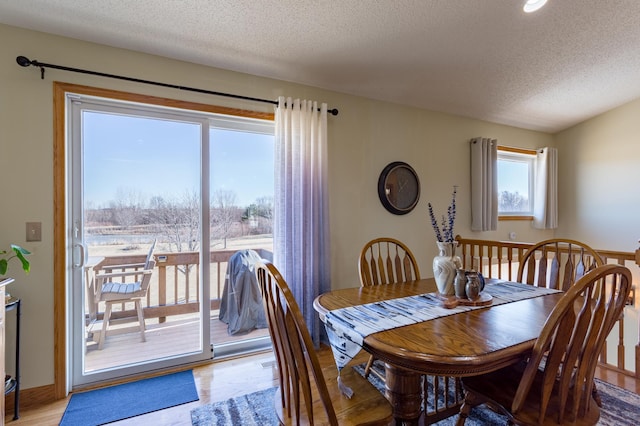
column 533, row 5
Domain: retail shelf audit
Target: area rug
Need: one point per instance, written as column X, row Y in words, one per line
column 620, row 409
column 119, row 402
column 254, row 409
column 619, row 406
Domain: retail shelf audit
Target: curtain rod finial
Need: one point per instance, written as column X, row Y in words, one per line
column 23, row 61
column 333, row 111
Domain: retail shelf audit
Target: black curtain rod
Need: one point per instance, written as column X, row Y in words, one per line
column 25, row 62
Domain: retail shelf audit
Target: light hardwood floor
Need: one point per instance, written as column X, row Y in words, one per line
column 221, row 380
column 216, row 381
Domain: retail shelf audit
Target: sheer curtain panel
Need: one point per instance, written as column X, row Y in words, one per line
column 484, row 184
column 545, row 201
column 301, row 228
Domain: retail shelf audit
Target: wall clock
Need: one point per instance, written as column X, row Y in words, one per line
column 399, row 188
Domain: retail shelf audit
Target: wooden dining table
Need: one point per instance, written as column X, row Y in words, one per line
column 468, row 343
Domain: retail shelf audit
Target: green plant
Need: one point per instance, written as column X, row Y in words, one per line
column 16, row 251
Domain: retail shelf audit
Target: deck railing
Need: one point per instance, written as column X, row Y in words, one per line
column 500, row 259
column 175, row 283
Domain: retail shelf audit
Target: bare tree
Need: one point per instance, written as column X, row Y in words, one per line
column 128, row 207
column 512, row 202
column 178, row 220
column 224, row 214
column 260, row 215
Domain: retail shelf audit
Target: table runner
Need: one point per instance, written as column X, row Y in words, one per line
column 347, row 327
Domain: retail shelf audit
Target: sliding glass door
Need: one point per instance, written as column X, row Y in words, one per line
column 196, row 187
column 137, row 180
column 242, row 188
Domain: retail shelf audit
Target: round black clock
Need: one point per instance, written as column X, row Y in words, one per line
column 399, row 187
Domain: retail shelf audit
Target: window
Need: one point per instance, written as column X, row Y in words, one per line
column 160, row 193
column 516, row 168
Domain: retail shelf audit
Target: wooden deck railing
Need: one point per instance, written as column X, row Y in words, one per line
column 175, row 284
column 500, row 259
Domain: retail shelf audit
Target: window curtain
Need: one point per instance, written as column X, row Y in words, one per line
column 545, row 201
column 484, row 184
column 301, row 228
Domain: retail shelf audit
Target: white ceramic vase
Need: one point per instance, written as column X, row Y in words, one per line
column 444, row 267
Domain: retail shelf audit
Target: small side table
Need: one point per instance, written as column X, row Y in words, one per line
column 12, row 384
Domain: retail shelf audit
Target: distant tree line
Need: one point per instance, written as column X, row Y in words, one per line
column 512, row 202
column 177, row 220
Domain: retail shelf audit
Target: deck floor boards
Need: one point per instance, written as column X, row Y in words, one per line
column 124, row 345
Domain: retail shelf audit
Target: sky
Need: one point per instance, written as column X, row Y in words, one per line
column 513, row 176
column 153, row 157
column 158, row 157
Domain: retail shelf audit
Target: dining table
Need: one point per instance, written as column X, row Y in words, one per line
column 421, row 332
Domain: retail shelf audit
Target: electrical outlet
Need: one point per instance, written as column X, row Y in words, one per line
column 631, row 300
column 512, row 236
column 34, row 231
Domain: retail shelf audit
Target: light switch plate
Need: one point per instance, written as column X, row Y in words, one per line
column 34, row 231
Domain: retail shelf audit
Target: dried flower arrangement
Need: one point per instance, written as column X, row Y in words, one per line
column 445, row 234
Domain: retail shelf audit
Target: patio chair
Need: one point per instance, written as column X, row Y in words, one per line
column 309, row 391
column 554, row 385
column 122, row 291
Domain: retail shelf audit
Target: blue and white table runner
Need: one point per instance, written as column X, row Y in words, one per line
column 347, row 327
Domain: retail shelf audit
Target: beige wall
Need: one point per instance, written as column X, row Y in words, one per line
column 600, row 172
column 363, row 138
column 599, row 197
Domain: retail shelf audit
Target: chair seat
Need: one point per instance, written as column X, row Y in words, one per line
column 500, row 386
column 366, row 403
column 555, row 384
column 117, row 291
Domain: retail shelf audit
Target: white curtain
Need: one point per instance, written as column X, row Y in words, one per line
column 484, row 184
column 301, row 227
column 545, row 201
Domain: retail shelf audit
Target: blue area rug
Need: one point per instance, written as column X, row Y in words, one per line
column 620, row 408
column 119, row 402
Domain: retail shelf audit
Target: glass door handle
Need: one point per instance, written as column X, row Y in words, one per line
column 83, row 252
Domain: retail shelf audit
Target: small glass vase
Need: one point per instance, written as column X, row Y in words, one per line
column 444, row 267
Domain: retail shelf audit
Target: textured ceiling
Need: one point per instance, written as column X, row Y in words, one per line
column 484, row 59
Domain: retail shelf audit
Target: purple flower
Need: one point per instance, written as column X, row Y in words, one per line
column 445, row 234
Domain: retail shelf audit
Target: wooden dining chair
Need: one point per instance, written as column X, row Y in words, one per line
column 557, row 263
column 308, row 391
column 385, row 261
column 553, row 386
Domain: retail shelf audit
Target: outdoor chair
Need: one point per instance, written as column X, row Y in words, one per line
column 122, row 291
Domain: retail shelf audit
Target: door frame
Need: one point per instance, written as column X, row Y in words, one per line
column 62, row 342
